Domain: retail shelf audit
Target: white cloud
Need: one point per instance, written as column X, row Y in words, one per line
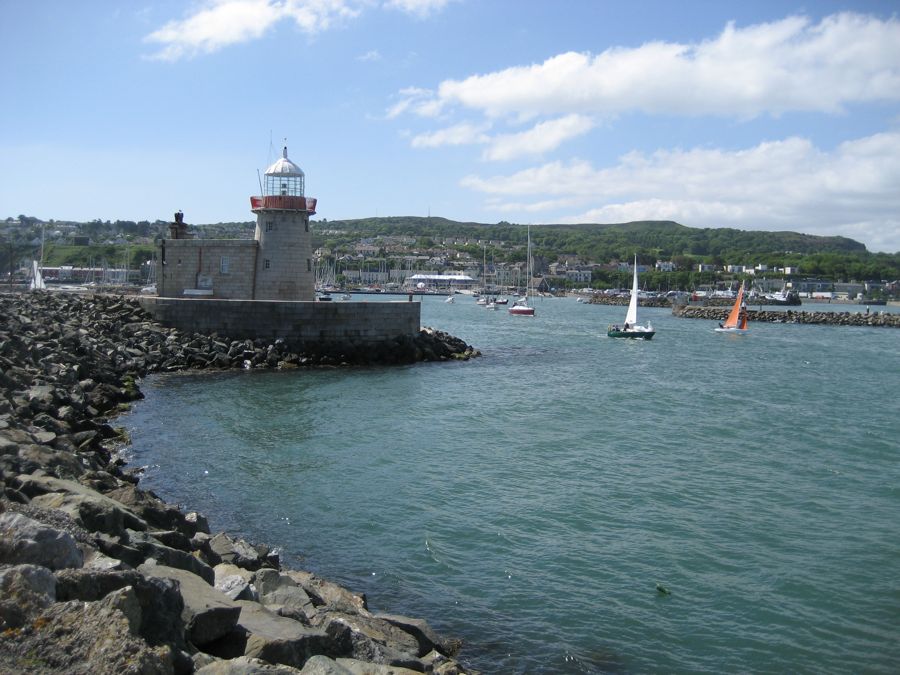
column 419, row 101
column 371, row 55
column 459, row 134
column 788, row 184
column 420, row 8
column 769, row 68
column 221, row 23
column 541, row 138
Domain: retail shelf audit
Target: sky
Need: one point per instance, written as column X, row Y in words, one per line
column 756, row 115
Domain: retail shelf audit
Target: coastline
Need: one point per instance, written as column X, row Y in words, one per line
column 100, row 576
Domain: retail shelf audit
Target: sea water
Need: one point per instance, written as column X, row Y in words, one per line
column 537, row 502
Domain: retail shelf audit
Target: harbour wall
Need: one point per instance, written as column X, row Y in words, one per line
column 878, row 319
column 295, row 323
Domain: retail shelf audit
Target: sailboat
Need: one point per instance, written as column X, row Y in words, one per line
column 521, row 307
column 37, row 279
column 631, row 328
column 737, row 317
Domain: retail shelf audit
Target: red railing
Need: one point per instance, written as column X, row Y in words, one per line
column 283, row 202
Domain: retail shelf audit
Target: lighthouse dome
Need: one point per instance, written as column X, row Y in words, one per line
column 284, row 167
column 284, row 178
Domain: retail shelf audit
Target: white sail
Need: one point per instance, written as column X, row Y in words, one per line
column 631, row 317
column 37, row 279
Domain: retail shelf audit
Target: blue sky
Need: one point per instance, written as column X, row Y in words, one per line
column 755, row 115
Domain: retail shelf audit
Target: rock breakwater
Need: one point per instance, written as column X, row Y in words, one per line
column 100, row 576
column 624, row 300
column 881, row 320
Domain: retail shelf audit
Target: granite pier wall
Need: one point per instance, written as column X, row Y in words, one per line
column 293, row 322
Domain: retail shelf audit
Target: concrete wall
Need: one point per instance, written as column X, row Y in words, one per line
column 292, row 321
column 225, row 266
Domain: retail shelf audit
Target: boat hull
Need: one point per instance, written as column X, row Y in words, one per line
column 632, row 334
column 521, row 311
column 737, row 331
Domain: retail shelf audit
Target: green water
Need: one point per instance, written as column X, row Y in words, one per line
column 531, row 500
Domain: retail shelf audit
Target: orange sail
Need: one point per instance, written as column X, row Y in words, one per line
column 737, row 318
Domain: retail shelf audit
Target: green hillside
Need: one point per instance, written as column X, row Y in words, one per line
column 832, row 257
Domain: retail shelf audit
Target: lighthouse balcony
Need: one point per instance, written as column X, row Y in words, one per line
column 283, row 202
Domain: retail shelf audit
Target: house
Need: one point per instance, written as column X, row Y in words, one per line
column 578, row 275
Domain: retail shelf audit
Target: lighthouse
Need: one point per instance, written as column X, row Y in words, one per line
column 283, row 269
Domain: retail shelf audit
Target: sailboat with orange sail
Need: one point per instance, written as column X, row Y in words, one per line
column 737, row 317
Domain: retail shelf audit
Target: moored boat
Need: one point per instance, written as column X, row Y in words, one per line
column 521, row 307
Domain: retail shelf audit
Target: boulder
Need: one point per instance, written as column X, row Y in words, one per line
column 160, row 601
column 280, row 593
column 61, row 463
column 23, row 540
column 208, row 614
column 153, row 510
column 245, row 665
column 427, row 638
column 96, row 512
column 224, row 549
column 276, row 639
column 357, row 667
column 149, row 547
column 24, row 591
column 374, row 640
column 81, row 637
column 126, row 601
column 322, row 665
column 328, row 594
column 235, row 582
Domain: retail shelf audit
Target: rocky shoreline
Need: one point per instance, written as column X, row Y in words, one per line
column 100, row 576
column 881, row 319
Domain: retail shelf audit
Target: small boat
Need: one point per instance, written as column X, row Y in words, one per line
column 521, row 307
column 737, row 317
column 491, row 306
column 501, row 301
column 631, row 329
column 449, row 300
column 782, row 297
column 37, row 279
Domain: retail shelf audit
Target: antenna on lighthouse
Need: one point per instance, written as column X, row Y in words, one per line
column 259, row 178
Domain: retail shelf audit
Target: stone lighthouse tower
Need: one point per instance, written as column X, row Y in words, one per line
column 284, row 268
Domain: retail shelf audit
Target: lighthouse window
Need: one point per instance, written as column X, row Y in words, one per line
column 306, row 225
column 270, row 225
column 223, row 264
column 308, row 265
column 267, row 263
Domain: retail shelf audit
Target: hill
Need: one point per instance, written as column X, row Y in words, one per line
column 665, row 239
